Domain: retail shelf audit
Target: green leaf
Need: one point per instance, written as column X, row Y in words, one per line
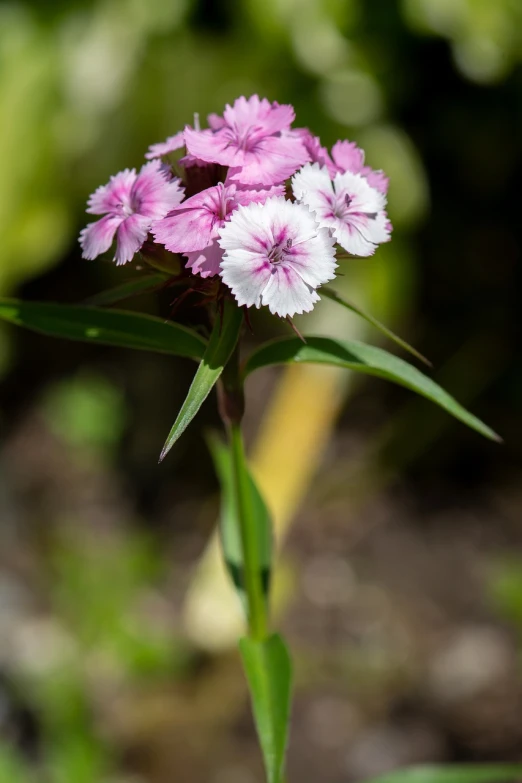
column 223, row 340
column 269, row 673
column 126, row 290
column 335, row 297
column 366, row 359
column 457, row 773
column 229, row 526
column 110, row 327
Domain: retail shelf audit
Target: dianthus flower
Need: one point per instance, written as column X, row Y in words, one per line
column 130, row 204
column 276, row 255
column 349, row 207
column 252, row 140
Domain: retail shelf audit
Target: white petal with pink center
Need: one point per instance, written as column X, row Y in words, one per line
column 348, row 207
column 276, row 255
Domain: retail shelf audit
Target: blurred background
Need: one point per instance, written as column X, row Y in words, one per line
column 399, row 582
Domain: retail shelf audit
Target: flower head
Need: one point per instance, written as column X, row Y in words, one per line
column 130, row 204
column 349, row 207
column 251, row 139
column 276, row 255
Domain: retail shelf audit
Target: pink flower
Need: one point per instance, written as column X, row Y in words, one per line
column 349, row 207
column 251, row 139
column 347, row 156
column 173, row 143
column 276, row 255
column 192, row 227
column 130, row 204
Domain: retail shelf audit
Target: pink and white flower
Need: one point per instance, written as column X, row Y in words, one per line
column 171, row 144
column 192, row 227
column 251, row 140
column 349, row 207
column 276, row 255
column 130, row 203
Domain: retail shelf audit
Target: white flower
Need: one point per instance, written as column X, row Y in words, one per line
column 276, row 255
column 349, row 207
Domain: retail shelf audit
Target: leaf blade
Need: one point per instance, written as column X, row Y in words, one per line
column 223, row 340
column 335, row 297
column 126, row 290
column 118, row 328
column 367, row 359
column 229, row 527
column 268, row 670
column 456, row 773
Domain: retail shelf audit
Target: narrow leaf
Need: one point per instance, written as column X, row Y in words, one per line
column 229, row 527
column 366, row 359
column 110, row 327
column 126, row 290
column 335, row 297
column 269, row 673
column 457, row 773
column 223, row 340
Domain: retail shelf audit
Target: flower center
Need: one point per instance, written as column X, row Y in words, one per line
column 279, row 251
column 342, row 207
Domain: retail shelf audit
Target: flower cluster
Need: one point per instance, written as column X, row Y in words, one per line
column 258, row 203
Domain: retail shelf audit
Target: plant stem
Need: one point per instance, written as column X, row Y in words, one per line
column 231, row 406
column 257, row 619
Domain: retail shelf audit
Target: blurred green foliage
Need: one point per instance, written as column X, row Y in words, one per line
column 87, row 412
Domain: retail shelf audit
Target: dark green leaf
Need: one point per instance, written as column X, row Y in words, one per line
column 335, row 297
column 126, row 290
column 366, row 359
column 229, row 523
column 457, row 773
column 223, row 340
column 110, row 327
column 269, row 673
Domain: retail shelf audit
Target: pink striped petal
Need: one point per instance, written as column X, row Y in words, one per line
column 97, row 237
column 131, row 235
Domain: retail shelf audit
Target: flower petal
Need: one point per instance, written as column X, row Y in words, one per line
column 360, row 234
column 206, row 262
column 185, row 231
column 348, row 156
column 152, row 194
column 287, row 294
column 312, row 186
column 171, row 144
column 97, row 237
column 111, row 197
column 130, row 236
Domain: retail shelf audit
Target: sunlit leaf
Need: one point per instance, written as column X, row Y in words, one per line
column 335, row 297
column 110, row 327
column 223, row 340
column 269, row 673
column 127, row 290
column 366, row 359
column 457, row 773
column 229, row 526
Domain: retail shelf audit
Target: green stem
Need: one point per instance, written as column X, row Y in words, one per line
column 231, row 404
column 257, row 619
